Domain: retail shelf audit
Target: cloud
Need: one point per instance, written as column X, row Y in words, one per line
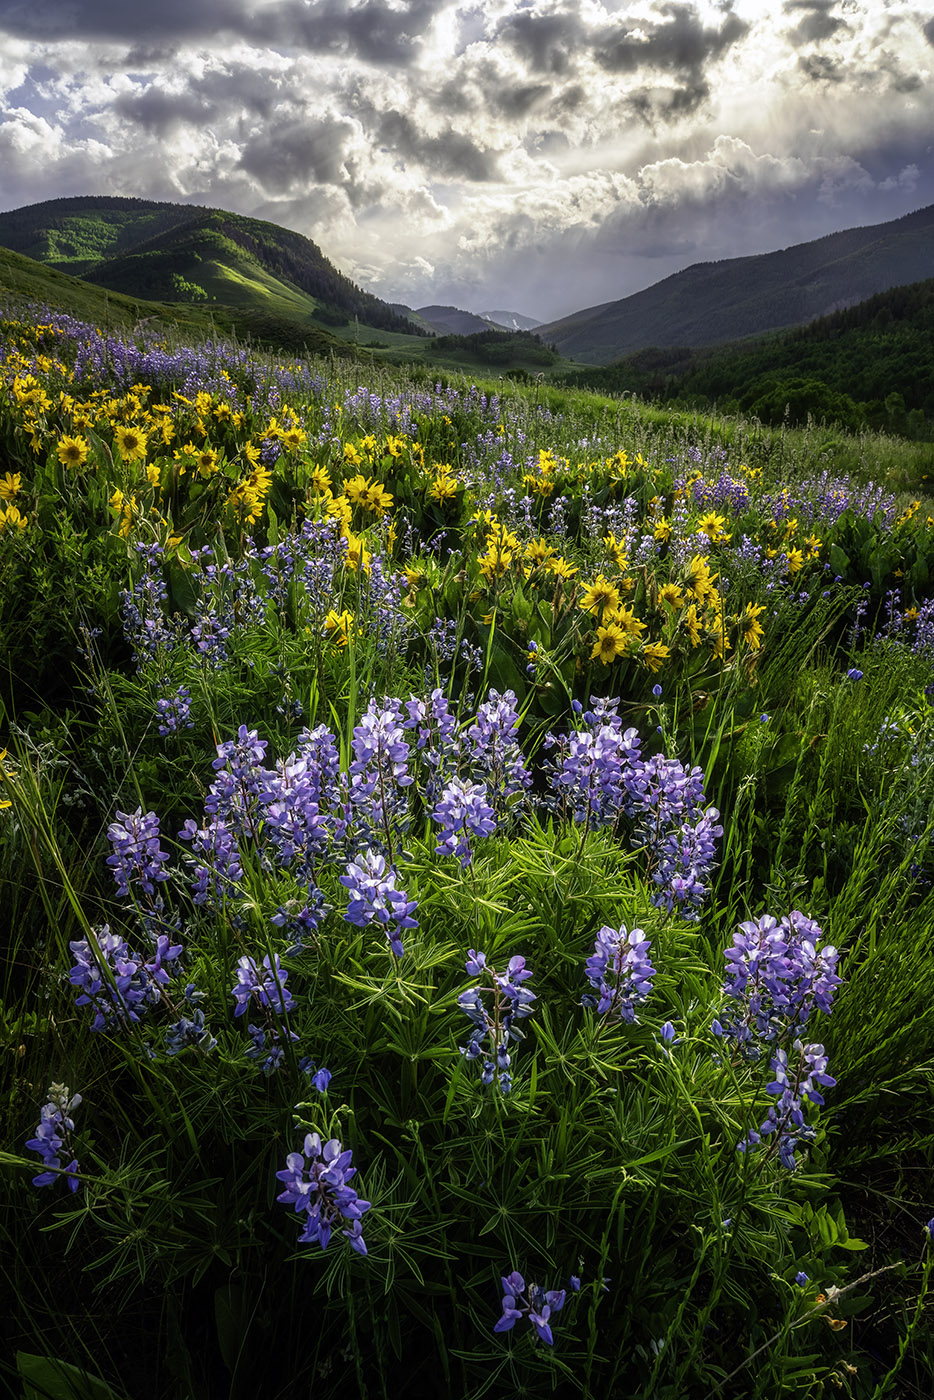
column 159, row 112
column 451, row 154
column 541, row 154
column 295, row 152
column 817, row 20
column 369, row 30
column 680, row 43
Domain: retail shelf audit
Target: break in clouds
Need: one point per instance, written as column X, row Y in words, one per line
column 539, row 156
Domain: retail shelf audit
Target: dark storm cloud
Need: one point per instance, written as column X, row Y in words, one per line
column 820, row 68
column 816, row 21
column 160, row 112
column 297, row 151
column 927, row 29
column 366, row 30
column 680, row 44
column 545, row 43
column 519, row 101
column 451, row 154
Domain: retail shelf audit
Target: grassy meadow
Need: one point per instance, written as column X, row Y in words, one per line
column 466, row 859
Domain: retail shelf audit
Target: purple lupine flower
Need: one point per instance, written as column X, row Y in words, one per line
column 266, row 1046
column 586, row 774
column 621, row 972
column 493, row 752
column 797, row 1080
column 216, row 879
column 436, row 745
column 120, row 991
column 801, row 1278
column 53, row 1137
column 265, row 983
column 683, row 858
column 776, row 976
column 533, row 1303
column 462, row 812
column 497, row 1024
column 240, row 785
column 315, row 1181
column 298, row 920
column 174, row 712
column 294, row 825
column 137, row 857
column 374, row 897
column 375, row 798
column 145, row 624
column 189, row 1031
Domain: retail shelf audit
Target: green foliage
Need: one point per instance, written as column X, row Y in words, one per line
column 865, row 367
column 499, row 347
column 172, row 1273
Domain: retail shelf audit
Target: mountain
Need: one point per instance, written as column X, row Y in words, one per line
column 448, row 320
column 510, row 320
column 869, row 366
column 710, row 303
column 273, row 283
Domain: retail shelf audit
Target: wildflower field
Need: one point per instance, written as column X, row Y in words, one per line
column 467, row 888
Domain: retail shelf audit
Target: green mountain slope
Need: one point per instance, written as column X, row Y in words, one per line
column 24, row 281
column 183, row 253
column 871, row 365
column 711, row 303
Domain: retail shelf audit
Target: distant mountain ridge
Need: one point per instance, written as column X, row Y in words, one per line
column 511, row 320
column 711, row 303
column 450, row 320
column 868, row 367
column 189, row 253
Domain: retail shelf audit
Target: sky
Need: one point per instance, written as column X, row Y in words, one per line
column 539, row 157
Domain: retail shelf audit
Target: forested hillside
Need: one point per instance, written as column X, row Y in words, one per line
column 871, row 365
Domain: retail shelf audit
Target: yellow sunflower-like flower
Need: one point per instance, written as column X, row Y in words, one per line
column 692, row 624
column 670, row 594
column 600, row 597
column 712, row 525
column 495, row 562
column 611, row 642
column 626, row 620
column 655, row 655
column 4, row 773
column 293, row 438
column 340, row 509
column 11, row 519
column 538, row 552
column 561, row 568
column 320, row 481
column 337, row 627
column 752, row 633
column 699, row 582
column 358, row 556
column 443, row 487
column 131, row 441
column 356, row 489
column 206, row 461
column 72, row 451
column 10, row 485
column 377, row 499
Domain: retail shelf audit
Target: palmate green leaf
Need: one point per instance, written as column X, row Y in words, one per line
column 48, row 1378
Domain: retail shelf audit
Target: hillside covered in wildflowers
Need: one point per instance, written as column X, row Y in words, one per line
column 467, row 853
